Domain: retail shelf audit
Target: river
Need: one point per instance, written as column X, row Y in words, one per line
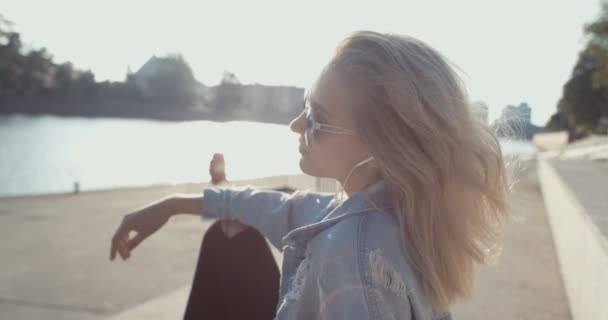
column 48, row 154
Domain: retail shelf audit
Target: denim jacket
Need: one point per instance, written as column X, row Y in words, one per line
column 339, row 261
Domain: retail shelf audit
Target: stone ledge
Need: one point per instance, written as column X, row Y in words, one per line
column 576, row 199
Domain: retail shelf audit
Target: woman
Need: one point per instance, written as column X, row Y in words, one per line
column 425, row 183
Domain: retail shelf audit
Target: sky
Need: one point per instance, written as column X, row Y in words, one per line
column 507, row 51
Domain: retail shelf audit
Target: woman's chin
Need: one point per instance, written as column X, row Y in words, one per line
column 305, row 165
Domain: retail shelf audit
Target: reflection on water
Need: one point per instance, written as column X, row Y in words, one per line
column 518, row 147
column 47, row 154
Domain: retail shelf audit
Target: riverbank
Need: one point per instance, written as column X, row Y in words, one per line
column 56, row 260
column 137, row 109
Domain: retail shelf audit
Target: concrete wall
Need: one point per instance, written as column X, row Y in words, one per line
column 296, row 181
column 550, row 140
column 581, row 248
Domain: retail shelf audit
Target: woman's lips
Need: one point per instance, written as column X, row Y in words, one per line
column 302, row 148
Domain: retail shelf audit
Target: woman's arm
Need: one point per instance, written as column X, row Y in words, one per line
column 144, row 221
column 148, row 219
column 186, row 203
column 269, row 212
column 193, row 203
column 273, row 213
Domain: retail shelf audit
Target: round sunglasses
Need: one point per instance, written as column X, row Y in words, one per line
column 312, row 125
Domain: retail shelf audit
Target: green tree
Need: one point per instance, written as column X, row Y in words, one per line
column 84, row 84
column 22, row 73
column 228, row 95
column 583, row 108
column 38, row 73
column 64, row 77
column 11, row 64
column 32, row 72
column 172, row 81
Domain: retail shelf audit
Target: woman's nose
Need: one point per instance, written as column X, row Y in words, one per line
column 298, row 124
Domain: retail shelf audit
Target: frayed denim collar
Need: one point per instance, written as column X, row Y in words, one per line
column 374, row 198
column 374, row 195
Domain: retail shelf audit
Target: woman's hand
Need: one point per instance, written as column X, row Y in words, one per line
column 144, row 222
column 147, row 220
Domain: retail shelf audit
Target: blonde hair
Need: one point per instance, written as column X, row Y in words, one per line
column 443, row 168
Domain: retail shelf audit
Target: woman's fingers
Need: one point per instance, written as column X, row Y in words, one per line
column 119, row 240
column 133, row 243
column 124, row 246
column 136, row 227
column 122, row 249
column 117, row 247
column 115, row 244
column 124, row 252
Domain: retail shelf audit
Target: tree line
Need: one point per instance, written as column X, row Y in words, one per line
column 163, row 88
column 31, row 72
column 583, row 107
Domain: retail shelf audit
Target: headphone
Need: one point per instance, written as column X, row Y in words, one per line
column 363, row 162
column 353, row 168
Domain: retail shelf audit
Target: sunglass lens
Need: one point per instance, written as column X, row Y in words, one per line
column 309, row 127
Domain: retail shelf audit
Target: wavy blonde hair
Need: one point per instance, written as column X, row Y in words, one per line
column 443, row 168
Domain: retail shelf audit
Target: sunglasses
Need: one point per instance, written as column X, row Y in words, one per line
column 312, row 125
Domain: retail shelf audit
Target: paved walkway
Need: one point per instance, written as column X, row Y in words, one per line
column 526, row 282
column 55, row 262
column 586, row 179
column 55, row 255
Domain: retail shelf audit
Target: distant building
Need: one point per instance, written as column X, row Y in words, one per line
column 149, row 70
column 520, row 114
column 278, row 104
column 515, row 122
column 146, row 72
column 261, row 98
column 480, row 109
column 231, row 100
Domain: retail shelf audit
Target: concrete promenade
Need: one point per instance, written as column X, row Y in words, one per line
column 576, row 196
column 526, row 282
column 55, row 260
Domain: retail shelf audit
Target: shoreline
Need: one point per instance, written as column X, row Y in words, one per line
column 266, row 181
column 60, row 267
column 295, row 181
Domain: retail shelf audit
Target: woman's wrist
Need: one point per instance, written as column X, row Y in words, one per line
column 184, row 203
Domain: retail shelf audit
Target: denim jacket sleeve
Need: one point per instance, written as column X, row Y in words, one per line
column 272, row 213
